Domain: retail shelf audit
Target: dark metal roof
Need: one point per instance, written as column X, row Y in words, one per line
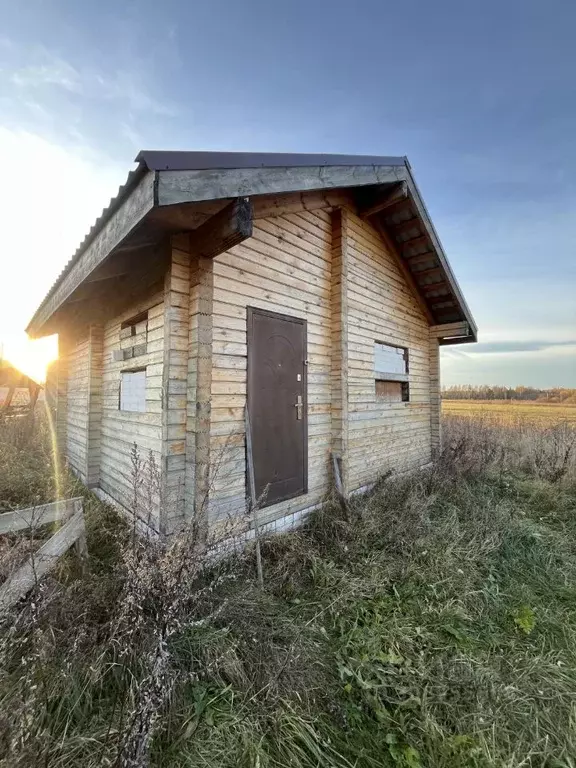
column 160, row 160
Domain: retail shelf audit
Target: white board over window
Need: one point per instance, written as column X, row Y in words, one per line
column 388, row 359
column 133, row 391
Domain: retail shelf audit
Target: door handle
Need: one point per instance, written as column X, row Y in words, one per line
column 299, row 407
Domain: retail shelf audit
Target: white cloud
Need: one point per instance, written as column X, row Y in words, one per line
column 54, row 73
column 44, row 71
column 128, row 88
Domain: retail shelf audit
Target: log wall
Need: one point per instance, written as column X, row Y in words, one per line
column 284, row 267
column 121, row 430
column 311, row 258
column 381, row 307
column 77, row 397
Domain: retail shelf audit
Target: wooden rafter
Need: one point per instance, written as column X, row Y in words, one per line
column 413, row 242
column 398, row 195
column 405, row 226
column 441, row 285
column 232, row 225
column 420, row 258
column 427, row 272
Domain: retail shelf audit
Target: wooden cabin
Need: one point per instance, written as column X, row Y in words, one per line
column 312, row 289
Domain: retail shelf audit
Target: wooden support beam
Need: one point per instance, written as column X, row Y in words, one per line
column 397, row 207
column 203, row 396
column 397, row 195
column 407, row 225
column 457, row 340
column 432, row 287
column 174, row 380
column 415, row 241
column 427, row 272
column 232, row 225
column 339, row 342
column 420, row 258
column 449, row 330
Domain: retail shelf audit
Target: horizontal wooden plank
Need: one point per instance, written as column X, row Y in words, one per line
column 20, row 583
column 31, row 517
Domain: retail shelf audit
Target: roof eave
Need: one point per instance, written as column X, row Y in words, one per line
column 160, row 180
column 442, row 258
column 135, row 198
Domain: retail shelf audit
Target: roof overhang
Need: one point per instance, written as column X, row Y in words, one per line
column 173, row 192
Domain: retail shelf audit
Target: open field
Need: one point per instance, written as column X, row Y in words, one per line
column 513, row 411
column 433, row 626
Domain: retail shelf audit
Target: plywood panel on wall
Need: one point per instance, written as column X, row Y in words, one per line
column 383, row 435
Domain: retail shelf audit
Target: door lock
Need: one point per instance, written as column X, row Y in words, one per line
column 299, row 408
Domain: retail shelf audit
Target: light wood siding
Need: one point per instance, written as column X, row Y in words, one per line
column 191, row 399
column 285, row 267
column 435, row 397
column 339, row 341
column 121, row 429
column 381, row 307
column 174, row 388
column 204, row 346
column 77, row 397
column 94, row 414
column 61, row 395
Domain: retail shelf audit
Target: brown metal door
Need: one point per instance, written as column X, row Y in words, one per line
column 277, row 404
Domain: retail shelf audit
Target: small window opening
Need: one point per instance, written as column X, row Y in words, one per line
column 133, row 391
column 391, row 373
column 134, row 336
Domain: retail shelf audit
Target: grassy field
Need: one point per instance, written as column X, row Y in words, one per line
column 433, row 625
column 513, row 411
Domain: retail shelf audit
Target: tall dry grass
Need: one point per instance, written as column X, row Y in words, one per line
column 477, row 442
column 432, row 625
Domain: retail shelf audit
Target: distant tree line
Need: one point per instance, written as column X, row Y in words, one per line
column 497, row 392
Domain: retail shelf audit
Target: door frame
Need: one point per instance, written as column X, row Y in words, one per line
column 250, row 312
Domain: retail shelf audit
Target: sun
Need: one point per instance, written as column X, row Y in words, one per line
column 32, row 357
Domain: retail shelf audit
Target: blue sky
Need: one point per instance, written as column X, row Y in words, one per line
column 481, row 97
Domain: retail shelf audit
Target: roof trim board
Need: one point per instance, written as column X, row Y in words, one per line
column 440, row 254
column 189, row 186
column 172, row 178
column 160, row 160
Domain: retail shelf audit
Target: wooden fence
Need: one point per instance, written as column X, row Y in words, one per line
column 72, row 533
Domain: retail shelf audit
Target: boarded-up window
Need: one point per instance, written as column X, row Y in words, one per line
column 391, row 373
column 134, row 337
column 133, row 391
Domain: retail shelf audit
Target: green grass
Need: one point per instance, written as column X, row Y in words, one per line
column 433, row 626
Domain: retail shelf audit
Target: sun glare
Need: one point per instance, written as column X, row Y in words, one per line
column 30, row 356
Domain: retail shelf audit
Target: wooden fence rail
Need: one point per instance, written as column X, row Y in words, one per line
column 72, row 532
column 17, row 520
